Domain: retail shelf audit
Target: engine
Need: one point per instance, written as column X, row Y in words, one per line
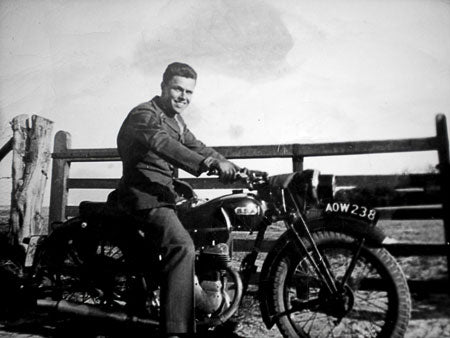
column 210, row 283
column 214, row 257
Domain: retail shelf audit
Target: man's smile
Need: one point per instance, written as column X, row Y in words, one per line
column 181, row 103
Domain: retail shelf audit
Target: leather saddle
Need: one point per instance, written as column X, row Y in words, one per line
column 108, row 211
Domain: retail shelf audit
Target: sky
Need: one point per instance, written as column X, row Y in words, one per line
column 270, row 72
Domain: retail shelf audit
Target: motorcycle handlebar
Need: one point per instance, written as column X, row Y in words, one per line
column 250, row 177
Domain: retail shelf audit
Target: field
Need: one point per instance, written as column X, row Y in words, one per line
column 431, row 311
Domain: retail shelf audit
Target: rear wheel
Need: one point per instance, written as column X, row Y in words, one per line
column 98, row 280
column 374, row 302
column 83, row 267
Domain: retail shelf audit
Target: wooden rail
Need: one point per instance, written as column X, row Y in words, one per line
column 7, row 147
column 435, row 187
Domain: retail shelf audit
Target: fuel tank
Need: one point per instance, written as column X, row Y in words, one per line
column 214, row 219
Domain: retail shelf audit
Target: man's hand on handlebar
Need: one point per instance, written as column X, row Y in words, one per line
column 229, row 172
column 225, row 169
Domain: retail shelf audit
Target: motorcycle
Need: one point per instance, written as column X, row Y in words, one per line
column 327, row 275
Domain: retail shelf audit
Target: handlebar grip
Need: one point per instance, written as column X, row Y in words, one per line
column 241, row 174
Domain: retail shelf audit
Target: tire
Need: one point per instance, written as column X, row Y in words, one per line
column 95, row 280
column 377, row 300
column 80, row 267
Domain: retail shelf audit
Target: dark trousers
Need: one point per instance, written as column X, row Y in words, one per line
column 166, row 233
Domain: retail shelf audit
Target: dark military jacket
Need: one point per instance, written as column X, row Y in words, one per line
column 151, row 145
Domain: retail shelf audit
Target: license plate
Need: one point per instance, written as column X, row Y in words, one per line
column 352, row 209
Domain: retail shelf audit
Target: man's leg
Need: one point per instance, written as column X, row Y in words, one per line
column 165, row 231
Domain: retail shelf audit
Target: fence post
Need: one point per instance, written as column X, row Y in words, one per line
column 31, row 159
column 297, row 159
column 444, row 177
column 60, row 173
column 297, row 163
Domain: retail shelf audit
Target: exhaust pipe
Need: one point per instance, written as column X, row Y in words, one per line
column 231, row 307
column 210, row 300
column 84, row 310
column 208, row 295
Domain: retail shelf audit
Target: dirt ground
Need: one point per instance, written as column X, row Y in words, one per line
column 430, row 319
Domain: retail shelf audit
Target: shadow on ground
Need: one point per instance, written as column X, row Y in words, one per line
column 40, row 326
column 430, row 318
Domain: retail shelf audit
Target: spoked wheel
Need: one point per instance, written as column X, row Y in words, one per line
column 97, row 280
column 374, row 301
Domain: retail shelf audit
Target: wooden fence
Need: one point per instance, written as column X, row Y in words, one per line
column 436, row 187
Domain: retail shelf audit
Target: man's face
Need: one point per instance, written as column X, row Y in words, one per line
column 176, row 95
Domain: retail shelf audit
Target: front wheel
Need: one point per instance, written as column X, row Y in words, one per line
column 373, row 302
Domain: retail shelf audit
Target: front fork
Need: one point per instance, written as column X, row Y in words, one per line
column 319, row 262
column 315, row 258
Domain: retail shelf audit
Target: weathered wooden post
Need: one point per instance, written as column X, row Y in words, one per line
column 60, row 173
column 31, row 159
column 444, row 176
column 297, row 159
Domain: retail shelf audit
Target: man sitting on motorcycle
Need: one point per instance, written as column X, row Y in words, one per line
column 153, row 141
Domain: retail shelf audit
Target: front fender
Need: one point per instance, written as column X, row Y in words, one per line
column 339, row 223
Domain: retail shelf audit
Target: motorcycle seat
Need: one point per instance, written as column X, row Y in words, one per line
column 100, row 210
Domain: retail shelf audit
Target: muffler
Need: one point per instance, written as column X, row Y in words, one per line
column 85, row 310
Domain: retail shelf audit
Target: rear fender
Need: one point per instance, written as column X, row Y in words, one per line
column 343, row 224
column 75, row 233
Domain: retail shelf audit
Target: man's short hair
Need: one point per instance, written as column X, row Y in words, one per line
column 179, row 69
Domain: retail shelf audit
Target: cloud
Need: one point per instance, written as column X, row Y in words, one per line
column 243, row 39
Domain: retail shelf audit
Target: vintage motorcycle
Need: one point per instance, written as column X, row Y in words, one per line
column 327, row 275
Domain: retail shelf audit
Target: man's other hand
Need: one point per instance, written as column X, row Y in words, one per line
column 226, row 169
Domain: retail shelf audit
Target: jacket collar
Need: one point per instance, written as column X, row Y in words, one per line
column 170, row 121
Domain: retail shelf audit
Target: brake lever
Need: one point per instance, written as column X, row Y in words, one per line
column 243, row 175
column 252, row 178
column 249, row 177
